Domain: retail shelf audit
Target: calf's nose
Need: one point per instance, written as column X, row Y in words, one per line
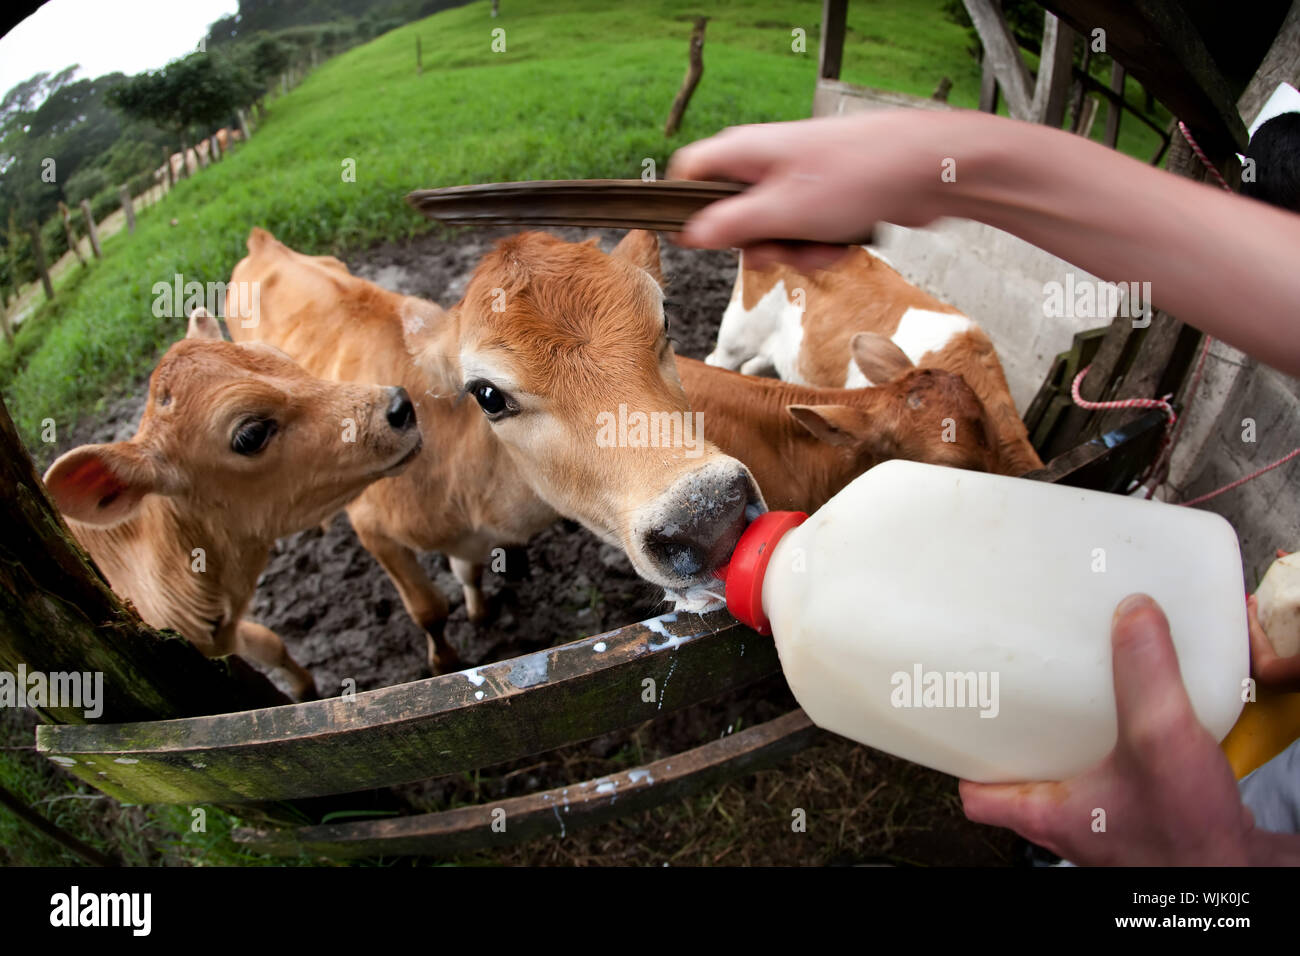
column 700, row 531
column 401, row 413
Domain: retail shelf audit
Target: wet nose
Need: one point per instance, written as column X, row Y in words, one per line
column 700, row 533
column 401, row 413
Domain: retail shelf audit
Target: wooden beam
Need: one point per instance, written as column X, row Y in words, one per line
column 423, row 729
column 1280, row 65
column 830, row 56
column 555, row 812
column 1055, row 67
column 1113, row 109
column 1003, row 55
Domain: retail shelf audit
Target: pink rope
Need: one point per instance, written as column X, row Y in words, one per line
column 1121, row 403
column 1200, row 154
column 1241, row 481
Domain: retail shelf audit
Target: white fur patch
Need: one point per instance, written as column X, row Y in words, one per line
column 922, row 331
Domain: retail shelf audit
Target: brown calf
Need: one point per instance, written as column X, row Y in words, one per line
column 798, row 326
column 181, row 517
column 803, row 444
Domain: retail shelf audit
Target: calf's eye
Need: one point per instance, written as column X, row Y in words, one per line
column 494, row 402
column 252, row 435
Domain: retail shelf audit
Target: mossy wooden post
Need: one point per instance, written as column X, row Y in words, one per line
column 73, row 243
column 128, row 207
column 5, row 324
column 243, row 124
column 38, row 253
column 694, row 70
column 58, row 615
column 90, row 229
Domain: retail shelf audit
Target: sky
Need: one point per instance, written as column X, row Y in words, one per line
column 105, row 36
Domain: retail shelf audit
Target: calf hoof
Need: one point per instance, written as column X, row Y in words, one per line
column 476, row 607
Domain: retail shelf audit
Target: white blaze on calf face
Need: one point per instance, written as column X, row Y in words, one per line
column 577, row 340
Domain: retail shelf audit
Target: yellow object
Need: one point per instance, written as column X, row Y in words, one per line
column 1265, row 728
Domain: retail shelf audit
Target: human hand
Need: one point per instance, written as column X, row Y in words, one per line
column 1269, row 670
column 827, row 181
column 1166, row 790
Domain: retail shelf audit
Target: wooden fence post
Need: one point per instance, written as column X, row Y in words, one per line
column 694, row 70
column 214, row 148
column 73, row 243
column 831, row 52
column 243, row 124
column 942, row 90
column 128, row 207
column 5, row 324
column 38, row 251
column 90, row 229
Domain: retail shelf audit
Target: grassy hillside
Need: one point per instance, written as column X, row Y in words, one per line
column 580, row 91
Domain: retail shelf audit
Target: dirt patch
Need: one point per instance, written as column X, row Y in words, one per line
column 341, row 618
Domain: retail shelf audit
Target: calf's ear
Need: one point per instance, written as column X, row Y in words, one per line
column 641, row 248
column 879, row 359
column 103, row 485
column 833, row 424
column 203, row 325
column 432, row 337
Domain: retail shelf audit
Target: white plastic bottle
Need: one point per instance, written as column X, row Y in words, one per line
column 962, row 620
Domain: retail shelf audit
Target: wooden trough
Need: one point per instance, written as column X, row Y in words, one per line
column 180, row 729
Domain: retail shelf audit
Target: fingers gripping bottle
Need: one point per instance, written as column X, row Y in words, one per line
column 962, row 620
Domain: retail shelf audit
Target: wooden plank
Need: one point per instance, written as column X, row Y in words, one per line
column 552, row 812
column 988, row 87
column 1114, row 111
column 1280, row 65
column 1055, row 67
column 835, row 98
column 462, row 721
column 1111, row 461
column 830, row 55
column 1003, row 56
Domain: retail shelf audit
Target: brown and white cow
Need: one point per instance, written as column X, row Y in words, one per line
column 512, row 386
column 798, row 326
column 237, row 447
column 803, row 444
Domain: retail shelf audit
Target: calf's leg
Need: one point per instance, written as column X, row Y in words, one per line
column 470, row 576
column 423, row 601
column 261, row 644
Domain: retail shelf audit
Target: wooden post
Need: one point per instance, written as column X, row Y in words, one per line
column 694, row 70
column 243, row 123
column 942, row 90
column 167, row 170
column 215, row 148
column 128, row 207
column 90, row 229
column 58, row 615
column 988, row 86
column 73, row 244
column 1087, row 116
column 1055, row 70
column 1113, row 109
column 38, row 252
column 1003, row 56
column 1081, row 91
column 5, row 324
column 830, row 56
column 419, row 63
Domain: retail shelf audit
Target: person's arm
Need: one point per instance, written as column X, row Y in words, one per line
column 1220, row 262
column 1164, row 796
